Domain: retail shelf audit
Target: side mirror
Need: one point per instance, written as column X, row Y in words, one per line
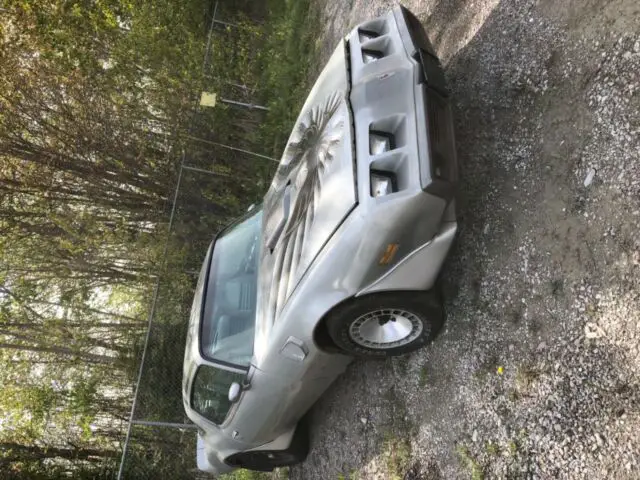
column 234, row 392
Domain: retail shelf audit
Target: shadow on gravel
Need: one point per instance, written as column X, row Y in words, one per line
column 368, row 417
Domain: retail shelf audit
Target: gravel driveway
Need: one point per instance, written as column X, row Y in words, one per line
column 536, row 374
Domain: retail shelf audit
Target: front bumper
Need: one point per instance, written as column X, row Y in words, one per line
column 402, row 93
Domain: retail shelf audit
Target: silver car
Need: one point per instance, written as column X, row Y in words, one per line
column 341, row 258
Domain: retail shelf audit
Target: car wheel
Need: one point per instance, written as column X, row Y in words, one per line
column 386, row 324
column 263, row 460
column 267, row 460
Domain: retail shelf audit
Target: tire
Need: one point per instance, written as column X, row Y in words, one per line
column 262, row 460
column 386, row 324
column 267, row 460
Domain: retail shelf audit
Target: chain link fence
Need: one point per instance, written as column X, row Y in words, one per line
column 216, row 182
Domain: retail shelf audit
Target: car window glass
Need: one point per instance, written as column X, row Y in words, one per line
column 196, row 306
column 210, row 392
column 228, row 322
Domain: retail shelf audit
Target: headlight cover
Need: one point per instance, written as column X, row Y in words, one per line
column 369, row 56
column 366, row 35
column 380, row 142
column 382, row 183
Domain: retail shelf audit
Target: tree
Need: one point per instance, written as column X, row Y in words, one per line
column 96, row 115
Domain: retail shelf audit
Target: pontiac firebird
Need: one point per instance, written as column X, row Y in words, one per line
column 341, row 258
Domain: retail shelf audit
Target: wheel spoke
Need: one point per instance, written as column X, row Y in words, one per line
column 383, row 329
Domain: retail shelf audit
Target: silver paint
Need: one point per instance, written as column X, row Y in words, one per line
column 331, row 241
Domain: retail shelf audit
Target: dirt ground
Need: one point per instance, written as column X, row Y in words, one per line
column 536, row 374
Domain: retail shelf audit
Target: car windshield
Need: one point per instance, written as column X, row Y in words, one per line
column 229, row 309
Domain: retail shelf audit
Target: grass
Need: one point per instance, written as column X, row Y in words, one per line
column 492, row 449
column 526, row 375
column 514, row 395
column 487, row 367
column 289, row 54
column 399, row 415
column 557, row 287
column 477, row 472
column 423, row 377
column 353, row 475
column 397, row 453
column 402, row 364
column 246, row 475
column 277, row 474
column 396, row 444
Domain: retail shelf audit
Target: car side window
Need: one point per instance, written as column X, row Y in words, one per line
column 209, row 396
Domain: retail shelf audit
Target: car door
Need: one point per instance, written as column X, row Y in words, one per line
column 257, row 416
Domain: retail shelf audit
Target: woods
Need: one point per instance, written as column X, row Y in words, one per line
column 97, row 112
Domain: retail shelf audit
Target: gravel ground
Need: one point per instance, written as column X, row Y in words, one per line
column 536, row 374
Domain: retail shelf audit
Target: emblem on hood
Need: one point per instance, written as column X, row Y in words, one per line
column 308, row 155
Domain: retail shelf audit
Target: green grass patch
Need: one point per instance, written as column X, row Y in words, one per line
column 424, row 376
column 526, row 375
column 492, row 449
column 397, row 453
column 242, row 474
column 287, row 56
column 467, row 459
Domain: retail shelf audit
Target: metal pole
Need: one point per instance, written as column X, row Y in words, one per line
column 238, row 85
column 202, row 170
column 231, row 148
column 205, row 64
column 250, row 106
column 190, row 426
column 226, row 23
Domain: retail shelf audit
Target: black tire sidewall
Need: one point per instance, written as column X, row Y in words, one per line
column 259, row 461
column 294, row 454
column 424, row 305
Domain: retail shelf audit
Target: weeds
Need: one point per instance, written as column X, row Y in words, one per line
column 402, row 364
column 526, row 375
column 492, row 449
column 288, row 55
column 557, row 287
column 514, row 395
column 353, row 475
column 422, row 379
column 252, row 475
column 487, row 366
column 398, row 454
column 477, row 472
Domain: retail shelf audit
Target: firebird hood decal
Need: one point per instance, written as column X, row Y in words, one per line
column 312, row 190
column 306, row 158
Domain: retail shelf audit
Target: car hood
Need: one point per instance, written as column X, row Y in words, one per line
column 312, row 192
